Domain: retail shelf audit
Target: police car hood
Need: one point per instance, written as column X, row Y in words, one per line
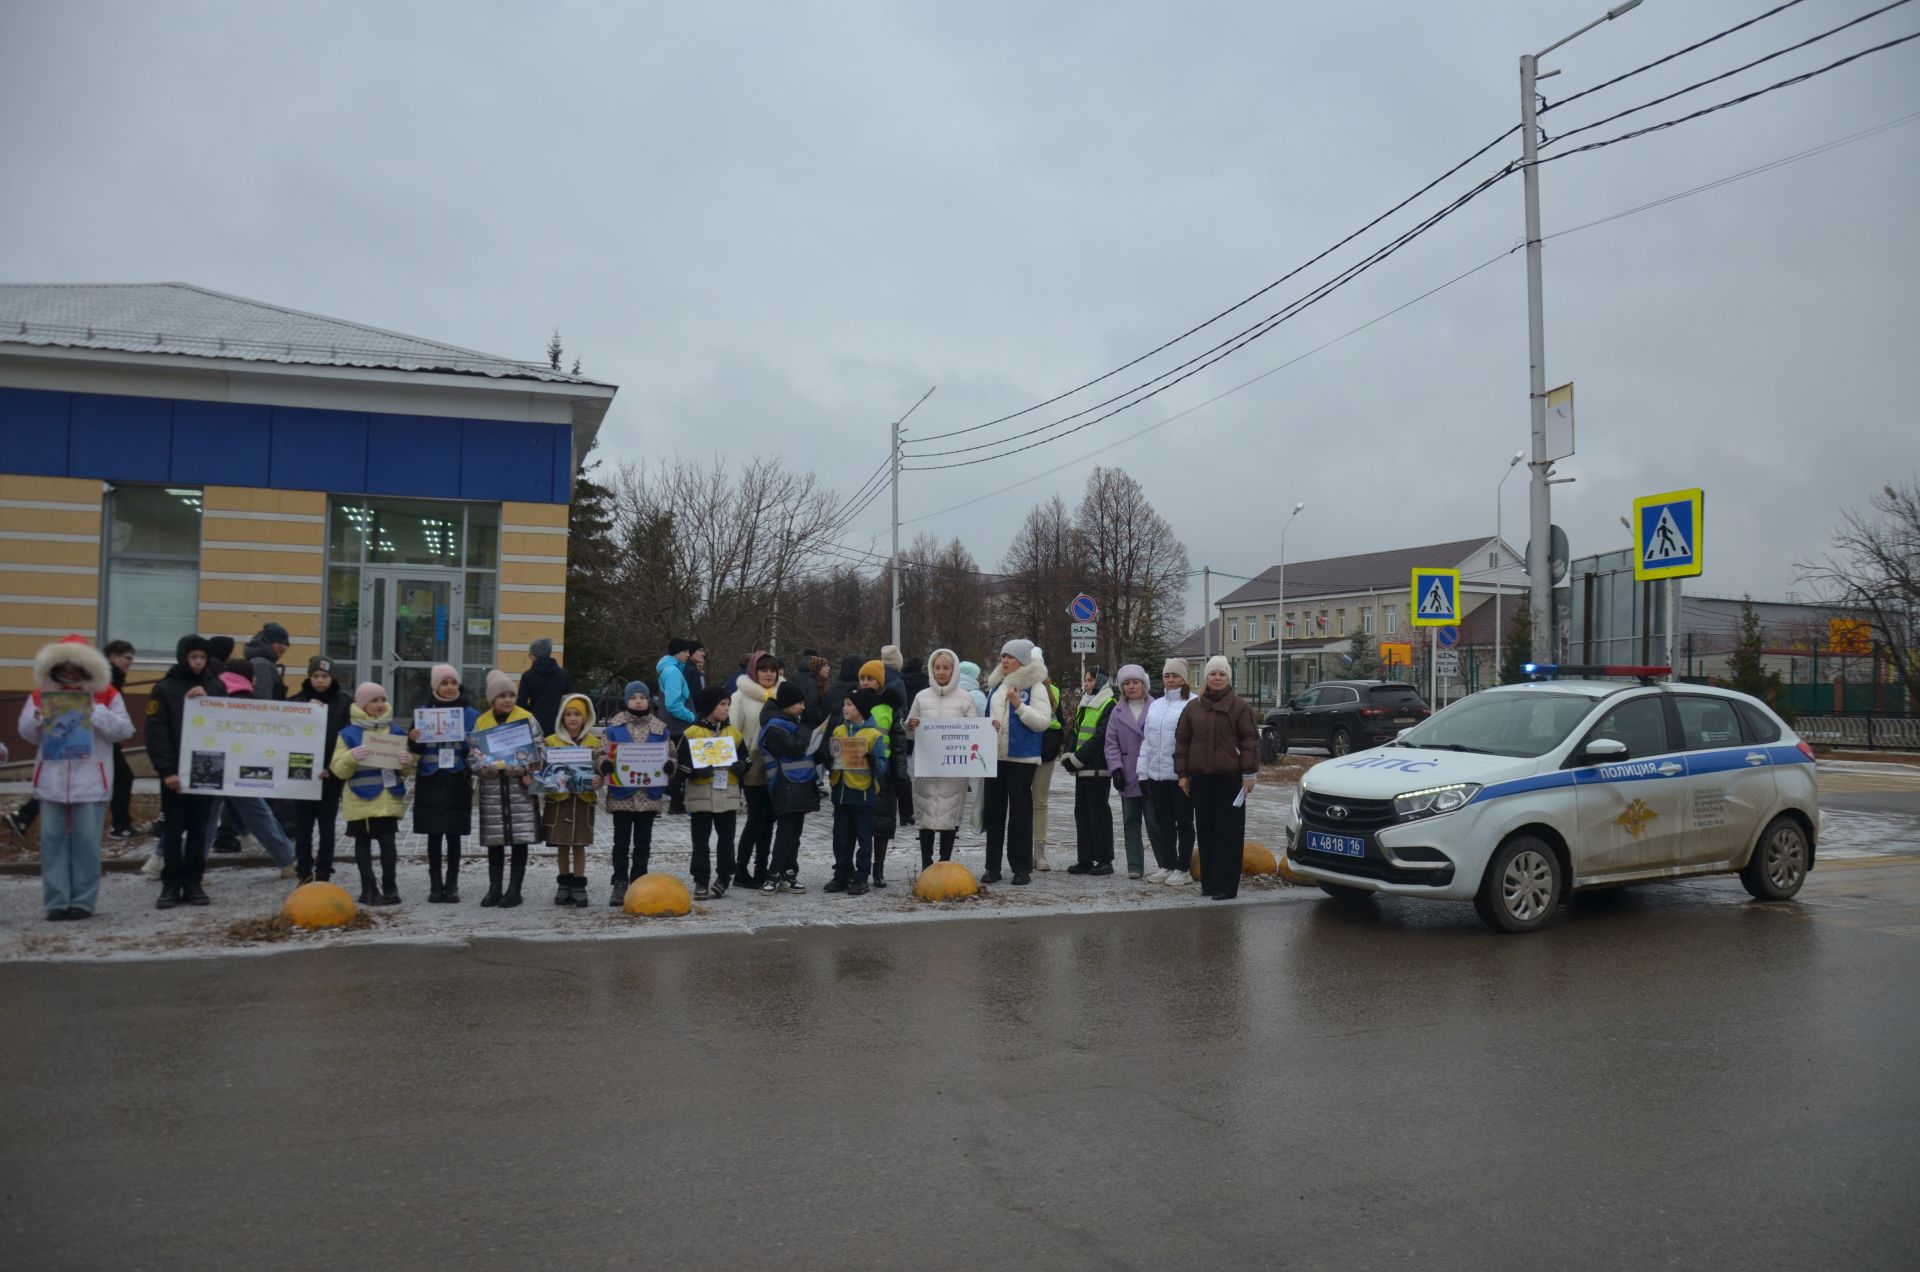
column 1395, row 770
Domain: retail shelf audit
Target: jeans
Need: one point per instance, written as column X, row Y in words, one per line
column 786, row 846
column 704, row 825
column 1133, row 809
column 70, row 855
column 305, row 816
column 1092, row 821
column 254, row 813
column 1009, row 817
column 852, row 841
column 183, row 848
column 1222, row 832
column 756, row 841
column 1169, row 825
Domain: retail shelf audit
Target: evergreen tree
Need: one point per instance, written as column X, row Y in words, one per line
column 554, row 349
column 1518, row 650
column 1747, row 663
column 1362, row 662
column 593, row 560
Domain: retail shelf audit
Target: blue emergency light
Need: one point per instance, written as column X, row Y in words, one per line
column 1550, row 671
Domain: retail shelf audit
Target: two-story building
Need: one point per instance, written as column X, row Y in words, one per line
column 1326, row 601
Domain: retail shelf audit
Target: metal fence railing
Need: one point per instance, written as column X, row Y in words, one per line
column 1861, row 732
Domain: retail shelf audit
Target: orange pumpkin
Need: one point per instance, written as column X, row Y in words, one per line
column 319, row 905
column 945, row 881
column 1255, row 859
column 657, row 896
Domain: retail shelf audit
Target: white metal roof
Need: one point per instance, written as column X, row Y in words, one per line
column 180, row 318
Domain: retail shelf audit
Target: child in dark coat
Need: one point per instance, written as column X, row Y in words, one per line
column 791, row 785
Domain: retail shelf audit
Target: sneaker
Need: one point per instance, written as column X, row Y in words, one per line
column 289, row 872
column 836, row 884
column 719, row 888
column 879, row 880
column 154, row 866
column 1040, row 859
column 1082, row 868
column 991, row 876
column 702, row 893
column 368, row 896
column 1101, row 869
column 857, row 888
column 770, row 885
column 744, row 879
column 1135, row 874
column 75, row 912
column 121, row 832
column 617, row 893
column 1178, row 879
column 794, row 884
column 389, row 897
column 1022, row 880
column 194, row 894
column 1158, row 876
column 56, row 916
column 169, row 897
column 305, row 879
column 16, row 823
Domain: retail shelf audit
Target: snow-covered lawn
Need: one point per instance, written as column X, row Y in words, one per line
column 127, row 926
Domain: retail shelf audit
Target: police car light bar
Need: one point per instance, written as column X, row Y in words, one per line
column 1550, row 671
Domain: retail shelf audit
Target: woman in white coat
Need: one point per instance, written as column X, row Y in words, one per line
column 1169, row 811
column 73, row 777
column 939, row 802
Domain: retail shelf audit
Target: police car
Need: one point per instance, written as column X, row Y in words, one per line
column 1515, row 797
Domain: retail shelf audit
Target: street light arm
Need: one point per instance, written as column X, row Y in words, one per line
column 1608, row 16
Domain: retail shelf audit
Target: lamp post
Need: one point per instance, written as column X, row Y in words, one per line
column 1500, row 541
column 1540, row 499
column 1280, row 614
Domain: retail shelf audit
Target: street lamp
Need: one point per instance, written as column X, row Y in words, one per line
column 1500, row 541
column 1540, row 498
column 1280, row 613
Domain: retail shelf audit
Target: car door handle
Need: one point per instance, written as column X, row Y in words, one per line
column 1756, row 758
column 1669, row 769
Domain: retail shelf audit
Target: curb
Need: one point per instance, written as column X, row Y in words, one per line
column 130, row 865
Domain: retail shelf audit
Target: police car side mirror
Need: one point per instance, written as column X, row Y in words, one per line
column 1603, row 751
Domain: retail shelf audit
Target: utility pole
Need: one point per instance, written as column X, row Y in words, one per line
column 1206, row 610
column 1280, row 614
column 1500, row 544
column 1540, row 498
column 894, row 460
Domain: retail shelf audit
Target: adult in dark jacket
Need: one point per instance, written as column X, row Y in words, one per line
column 443, row 791
column 222, row 822
column 264, row 653
column 302, row 817
column 696, row 668
column 906, row 688
column 791, row 782
column 1087, row 761
column 184, row 846
column 813, row 686
column 1216, row 753
column 834, row 696
column 544, row 685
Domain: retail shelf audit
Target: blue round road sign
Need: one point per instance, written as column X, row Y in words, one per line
column 1084, row 609
column 1449, row 637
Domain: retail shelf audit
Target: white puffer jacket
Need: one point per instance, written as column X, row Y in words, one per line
column 747, row 707
column 77, row 781
column 1156, row 747
column 940, row 802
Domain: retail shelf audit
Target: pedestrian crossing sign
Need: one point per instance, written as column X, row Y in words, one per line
column 1668, row 529
column 1436, row 598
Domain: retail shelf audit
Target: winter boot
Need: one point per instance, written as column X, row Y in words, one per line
column 619, row 893
column 169, row 896
column 580, row 892
column 563, row 894
column 880, row 868
column 514, row 880
column 194, row 894
column 495, row 868
column 926, row 849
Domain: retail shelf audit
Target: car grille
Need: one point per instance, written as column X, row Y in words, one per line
column 1374, row 865
column 1361, row 815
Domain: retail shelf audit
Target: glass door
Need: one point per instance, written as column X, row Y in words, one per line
column 410, row 619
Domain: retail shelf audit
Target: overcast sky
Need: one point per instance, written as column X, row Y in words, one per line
column 775, row 224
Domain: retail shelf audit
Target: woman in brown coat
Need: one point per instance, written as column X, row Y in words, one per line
column 1216, row 755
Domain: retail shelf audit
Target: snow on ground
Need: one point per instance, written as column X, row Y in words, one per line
column 127, row 926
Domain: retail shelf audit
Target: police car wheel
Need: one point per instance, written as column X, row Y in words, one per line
column 1779, row 863
column 1521, row 887
column 1344, row 892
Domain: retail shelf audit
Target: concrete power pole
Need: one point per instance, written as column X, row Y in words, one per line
column 893, row 459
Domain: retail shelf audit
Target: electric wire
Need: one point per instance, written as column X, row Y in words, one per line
column 1678, row 53
column 1791, row 48
column 1238, row 305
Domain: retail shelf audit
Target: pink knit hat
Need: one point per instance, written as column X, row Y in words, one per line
column 442, row 671
column 367, row 693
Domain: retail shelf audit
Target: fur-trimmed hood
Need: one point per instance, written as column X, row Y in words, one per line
column 586, row 709
column 72, row 650
column 953, row 687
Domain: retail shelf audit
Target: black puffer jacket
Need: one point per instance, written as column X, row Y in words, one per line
column 835, row 697
column 443, row 799
column 338, row 703
column 166, row 714
column 543, row 687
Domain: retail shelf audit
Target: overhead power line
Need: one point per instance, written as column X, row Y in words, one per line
column 1677, row 53
column 1791, row 48
column 1237, row 305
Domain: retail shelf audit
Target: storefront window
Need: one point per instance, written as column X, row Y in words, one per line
column 152, row 566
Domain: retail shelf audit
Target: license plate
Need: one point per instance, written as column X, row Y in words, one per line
column 1338, row 845
column 1403, row 719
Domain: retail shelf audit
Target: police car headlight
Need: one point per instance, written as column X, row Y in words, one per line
column 1435, row 800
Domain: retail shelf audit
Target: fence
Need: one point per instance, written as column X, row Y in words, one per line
column 1861, row 732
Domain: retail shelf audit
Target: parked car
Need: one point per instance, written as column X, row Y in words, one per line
column 1343, row 716
column 1520, row 795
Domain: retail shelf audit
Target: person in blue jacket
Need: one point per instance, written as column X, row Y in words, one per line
column 792, row 785
column 676, row 706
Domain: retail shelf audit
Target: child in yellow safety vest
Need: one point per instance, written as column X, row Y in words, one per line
column 860, row 752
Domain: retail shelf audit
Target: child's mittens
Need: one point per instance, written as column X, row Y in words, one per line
column 359, row 753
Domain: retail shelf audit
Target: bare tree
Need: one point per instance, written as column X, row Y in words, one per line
column 1044, row 567
column 1874, row 569
column 1137, row 566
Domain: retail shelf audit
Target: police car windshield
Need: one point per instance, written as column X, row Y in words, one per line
column 1525, row 725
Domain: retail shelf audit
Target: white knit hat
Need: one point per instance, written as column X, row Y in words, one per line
column 1175, row 667
column 1020, row 649
column 1220, row 664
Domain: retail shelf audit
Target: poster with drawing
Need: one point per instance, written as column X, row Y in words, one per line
column 712, row 752
column 249, row 746
column 66, row 725
column 639, row 764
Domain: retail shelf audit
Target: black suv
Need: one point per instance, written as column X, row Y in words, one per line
column 1342, row 716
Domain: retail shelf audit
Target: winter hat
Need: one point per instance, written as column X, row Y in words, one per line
column 970, row 670
column 542, row 648
column 890, row 655
column 499, row 682
column 219, row 648
column 636, row 687
column 695, row 645
column 864, row 699
column 752, row 664
column 275, row 634
column 1132, row 671
column 875, row 669
column 679, row 645
column 1176, row 667
column 320, row 662
column 1220, row 664
column 239, row 667
column 1021, row 649
column 190, row 644
column 367, row 692
column 73, row 651
column 787, row 695
column 442, row 671
column 708, row 700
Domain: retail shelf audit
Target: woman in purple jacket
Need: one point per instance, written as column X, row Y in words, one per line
column 1126, row 728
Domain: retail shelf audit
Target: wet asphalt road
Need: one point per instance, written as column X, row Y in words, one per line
column 1668, row 1076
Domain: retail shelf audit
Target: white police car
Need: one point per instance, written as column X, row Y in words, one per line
column 1517, row 796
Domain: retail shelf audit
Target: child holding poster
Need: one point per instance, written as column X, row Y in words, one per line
column 858, row 748
column 73, row 700
column 375, row 796
column 507, row 815
column 713, row 787
column 566, row 820
column 786, row 748
column 635, row 808
column 443, row 793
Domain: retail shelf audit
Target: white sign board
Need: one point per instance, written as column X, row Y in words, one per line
column 242, row 746
column 956, row 748
column 1085, row 637
column 1447, row 662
